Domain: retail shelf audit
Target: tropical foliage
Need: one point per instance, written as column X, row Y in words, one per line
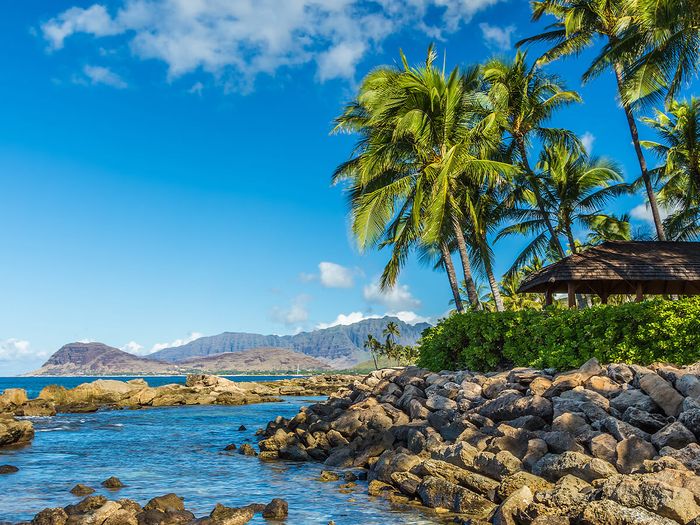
column 448, row 163
column 390, row 349
column 646, row 332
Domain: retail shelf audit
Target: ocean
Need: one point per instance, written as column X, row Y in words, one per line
column 177, row 449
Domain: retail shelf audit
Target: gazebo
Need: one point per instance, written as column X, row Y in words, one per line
column 621, row 267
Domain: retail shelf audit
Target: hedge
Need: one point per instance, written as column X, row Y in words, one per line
column 642, row 333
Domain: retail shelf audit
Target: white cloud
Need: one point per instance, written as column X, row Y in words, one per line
column 15, row 349
column 497, row 37
column 97, row 75
column 296, row 313
column 196, row 89
column 407, row 317
column 398, row 298
column 133, row 348
column 335, row 276
column 177, row 342
column 237, row 41
column 642, row 212
column 587, row 139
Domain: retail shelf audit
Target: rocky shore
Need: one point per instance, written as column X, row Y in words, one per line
column 163, row 510
column 135, row 394
column 613, row 445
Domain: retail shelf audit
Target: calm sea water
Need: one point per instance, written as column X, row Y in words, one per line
column 179, row 449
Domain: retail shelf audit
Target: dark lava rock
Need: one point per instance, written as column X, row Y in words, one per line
column 112, row 483
column 242, row 428
column 81, row 490
column 8, row 469
column 277, row 509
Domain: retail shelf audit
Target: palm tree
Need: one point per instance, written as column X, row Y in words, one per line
column 666, row 34
column 679, row 150
column 579, row 24
column 420, row 130
column 574, row 190
column 524, row 99
column 609, row 228
column 374, row 348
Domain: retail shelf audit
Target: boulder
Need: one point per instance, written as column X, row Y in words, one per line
column 14, row 432
column 441, row 494
column 168, row 503
column 691, row 420
column 517, row 502
column 604, row 446
column 632, row 452
column 555, row 466
column 510, row 406
column 674, row 435
column 646, row 421
column 51, row 517
column 671, row 502
column 8, row 469
column 277, row 509
column 608, row 512
column 633, row 398
column 662, row 393
column 82, row 490
column 112, row 483
column 231, row 516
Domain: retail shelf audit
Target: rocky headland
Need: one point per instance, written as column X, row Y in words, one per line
column 134, row 394
column 613, row 445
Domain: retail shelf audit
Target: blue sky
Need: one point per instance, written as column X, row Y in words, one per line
column 165, row 164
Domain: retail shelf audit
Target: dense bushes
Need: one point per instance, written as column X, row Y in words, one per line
column 643, row 333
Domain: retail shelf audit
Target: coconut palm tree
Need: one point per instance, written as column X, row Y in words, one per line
column 574, row 190
column 524, row 99
column 666, row 38
column 679, row 150
column 580, row 23
column 420, row 133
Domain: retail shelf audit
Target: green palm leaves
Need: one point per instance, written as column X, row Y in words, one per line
column 424, row 136
column 678, row 148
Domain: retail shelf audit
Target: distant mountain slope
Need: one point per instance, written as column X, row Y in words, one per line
column 93, row 359
column 341, row 346
column 96, row 359
column 254, row 360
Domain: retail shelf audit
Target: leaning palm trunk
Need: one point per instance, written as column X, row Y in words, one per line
column 466, row 267
column 658, row 223
column 495, row 289
column 451, row 275
column 540, row 203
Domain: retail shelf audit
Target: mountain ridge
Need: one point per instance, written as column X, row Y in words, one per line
column 341, row 346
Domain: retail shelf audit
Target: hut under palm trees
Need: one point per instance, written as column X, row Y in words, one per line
column 636, row 268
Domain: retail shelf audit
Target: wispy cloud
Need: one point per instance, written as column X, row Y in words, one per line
column 177, row 342
column 398, row 298
column 587, row 139
column 99, row 75
column 497, row 37
column 246, row 38
column 297, row 312
column 407, row 317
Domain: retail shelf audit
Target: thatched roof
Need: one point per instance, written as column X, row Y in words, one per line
column 619, row 267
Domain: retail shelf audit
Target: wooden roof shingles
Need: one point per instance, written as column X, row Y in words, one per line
column 619, row 266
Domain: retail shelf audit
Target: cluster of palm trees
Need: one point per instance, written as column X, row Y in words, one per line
column 451, row 162
column 390, row 350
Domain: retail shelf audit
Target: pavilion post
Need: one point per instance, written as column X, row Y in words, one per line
column 571, row 291
column 640, row 293
column 604, row 297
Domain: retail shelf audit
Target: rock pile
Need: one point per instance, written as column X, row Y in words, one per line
column 614, row 445
column 198, row 390
column 163, row 510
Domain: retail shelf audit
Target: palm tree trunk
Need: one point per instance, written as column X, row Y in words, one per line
column 495, row 289
column 451, row 275
column 658, row 223
column 466, row 266
column 580, row 299
column 540, row 203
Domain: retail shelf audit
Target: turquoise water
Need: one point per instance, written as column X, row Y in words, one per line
column 179, row 449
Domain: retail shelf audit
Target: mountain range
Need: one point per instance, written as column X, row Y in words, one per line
column 336, row 347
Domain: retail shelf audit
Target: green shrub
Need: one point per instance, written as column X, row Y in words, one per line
column 643, row 333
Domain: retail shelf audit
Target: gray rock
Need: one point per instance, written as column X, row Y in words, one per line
column 632, row 453
column 689, row 385
column 674, row 435
column 691, row 420
column 517, row 502
column 633, row 398
column 662, row 393
column 644, row 420
column 553, row 467
column 604, row 446
column 510, row 406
